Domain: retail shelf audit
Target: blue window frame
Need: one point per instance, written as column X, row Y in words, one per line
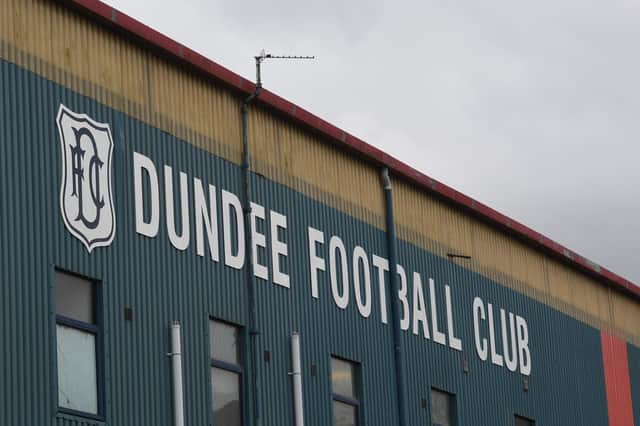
column 78, row 346
column 345, row 392
column 227, row 372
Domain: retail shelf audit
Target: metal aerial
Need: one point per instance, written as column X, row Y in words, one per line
column 263, row 55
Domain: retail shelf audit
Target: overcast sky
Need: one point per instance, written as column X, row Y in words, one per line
column 530, row 107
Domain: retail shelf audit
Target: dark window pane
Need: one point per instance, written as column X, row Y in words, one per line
column 441, row 408
column 342, row 378
column 226, row 398
column 343, row 414
column 521, row 421
column 74, row 297
column 77, row 378
column 224, row 342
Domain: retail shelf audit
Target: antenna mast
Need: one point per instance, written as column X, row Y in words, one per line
column 262, row 56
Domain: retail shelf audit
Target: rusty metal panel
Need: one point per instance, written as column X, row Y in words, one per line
column 7, row 18
column 420, row 216
column 303, row 161
column 560, row 286
column 626, row 314
column 591, row 297
column 61, row 45
column 187, row 106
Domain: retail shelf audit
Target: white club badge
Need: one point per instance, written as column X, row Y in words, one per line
column 86, row 196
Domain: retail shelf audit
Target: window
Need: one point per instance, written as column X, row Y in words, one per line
column 442, row 408
column 77, row 341
column 344, row 384
column 226, row 373
column 523, row 421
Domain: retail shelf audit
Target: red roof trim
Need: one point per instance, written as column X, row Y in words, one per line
column 113, row 17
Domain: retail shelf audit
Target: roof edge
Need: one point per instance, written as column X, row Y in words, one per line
column 136, row 29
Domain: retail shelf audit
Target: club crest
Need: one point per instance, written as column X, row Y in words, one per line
column 86, row 197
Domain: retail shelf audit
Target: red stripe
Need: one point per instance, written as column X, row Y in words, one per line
column 165, row 45
column 617, row 381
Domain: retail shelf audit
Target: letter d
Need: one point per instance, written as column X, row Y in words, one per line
column 150, row 228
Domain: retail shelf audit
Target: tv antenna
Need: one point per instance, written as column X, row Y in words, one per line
column 263, row 55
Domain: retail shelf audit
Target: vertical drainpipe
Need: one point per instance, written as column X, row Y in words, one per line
column 296, row 373
column 392, row 295
column 251, row 353
column 176, row 374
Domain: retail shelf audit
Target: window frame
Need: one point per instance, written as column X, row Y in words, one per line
column 454, row 405
column 238, row 369
column 96, row 329
column 355, row 403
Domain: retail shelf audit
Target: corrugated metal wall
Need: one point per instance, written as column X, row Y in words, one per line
column 561, row 391
column 47, row 38
column 179, row 119
column 60, row 45
column 34, row 241
column 303, row 161
column 158, row 282
column 162, row 284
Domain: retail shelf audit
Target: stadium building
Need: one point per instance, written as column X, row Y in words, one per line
column 179, row 248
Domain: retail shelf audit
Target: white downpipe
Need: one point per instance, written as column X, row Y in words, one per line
column 297, row 379
column 176, row 369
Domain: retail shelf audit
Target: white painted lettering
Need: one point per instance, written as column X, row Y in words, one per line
column 181, row 242
column 382, row 265
column 337, row 246
column 279, row 249
column 258, row 240
column 419, row 308
column 496, row 358
column 405, row 320
column 231, row 202
column 438, row 336
column 363, row 303
column 510, row 356
column 454, row 342
column 478, row 315
column 150, row 228
column 316, row 263
column 206, row 218
column 523, row 346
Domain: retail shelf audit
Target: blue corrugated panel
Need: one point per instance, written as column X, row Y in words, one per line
column 634, row 374
column 161, row 284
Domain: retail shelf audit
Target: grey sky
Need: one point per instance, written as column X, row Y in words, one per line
column 530, row 107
